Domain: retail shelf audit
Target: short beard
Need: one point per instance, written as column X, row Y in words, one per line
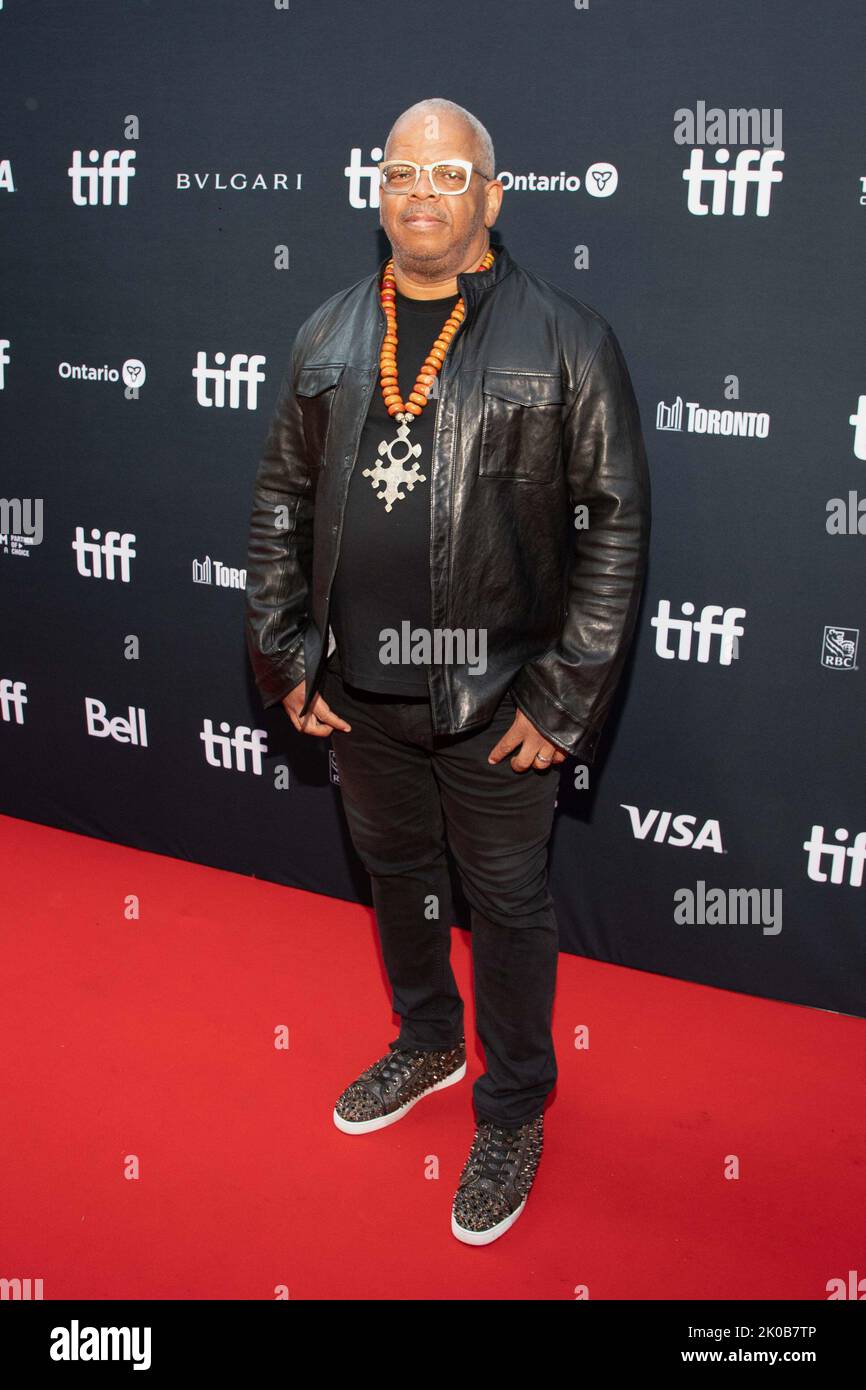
column 438, row 265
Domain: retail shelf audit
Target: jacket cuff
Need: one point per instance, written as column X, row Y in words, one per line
column 275, row 678
column 552, row 720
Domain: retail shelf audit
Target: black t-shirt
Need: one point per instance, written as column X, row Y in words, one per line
column 382, row 582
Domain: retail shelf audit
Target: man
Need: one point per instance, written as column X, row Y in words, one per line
column 442, row 427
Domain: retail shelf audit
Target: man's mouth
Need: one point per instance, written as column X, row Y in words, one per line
column 422, row 220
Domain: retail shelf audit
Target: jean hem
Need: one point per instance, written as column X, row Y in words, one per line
column 404, row 1045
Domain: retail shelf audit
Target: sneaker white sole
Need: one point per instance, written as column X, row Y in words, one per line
column 381, row 1121
column 485, row 1237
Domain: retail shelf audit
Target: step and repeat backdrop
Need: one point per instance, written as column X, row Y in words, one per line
column 182, row 184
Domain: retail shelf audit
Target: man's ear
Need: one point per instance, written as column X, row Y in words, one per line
column 493, row 202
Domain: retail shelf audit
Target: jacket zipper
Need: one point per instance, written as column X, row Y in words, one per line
column 354, row 456
column 339, row 537
column 450, row 504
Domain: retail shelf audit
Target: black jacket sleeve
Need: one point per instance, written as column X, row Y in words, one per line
column 280, row 548
column 567, row 692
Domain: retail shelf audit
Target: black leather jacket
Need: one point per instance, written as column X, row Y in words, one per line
column 536, row 415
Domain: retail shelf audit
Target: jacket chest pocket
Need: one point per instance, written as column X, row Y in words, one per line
column 316, row 388
column 521, row 427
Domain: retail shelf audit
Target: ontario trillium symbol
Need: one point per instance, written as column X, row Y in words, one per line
column 394, row 475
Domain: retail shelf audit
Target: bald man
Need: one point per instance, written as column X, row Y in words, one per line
column 418, row 593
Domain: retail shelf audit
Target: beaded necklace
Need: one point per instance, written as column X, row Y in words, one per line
column 395, row 474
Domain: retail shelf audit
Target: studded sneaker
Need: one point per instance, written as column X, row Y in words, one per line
column 388, row 1089
column 496, row 1179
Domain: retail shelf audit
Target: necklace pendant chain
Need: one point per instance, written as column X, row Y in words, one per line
column 418, row 396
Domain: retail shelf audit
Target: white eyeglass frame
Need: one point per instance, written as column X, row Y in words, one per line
column 465, row 164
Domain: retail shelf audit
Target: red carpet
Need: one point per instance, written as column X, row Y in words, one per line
column 155, row 1038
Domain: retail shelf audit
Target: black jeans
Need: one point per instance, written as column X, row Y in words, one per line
column 403, row 789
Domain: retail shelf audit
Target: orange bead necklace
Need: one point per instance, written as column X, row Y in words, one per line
column 404, row 411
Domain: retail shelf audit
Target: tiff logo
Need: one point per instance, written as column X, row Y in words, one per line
column 95, row 184
column 858, row 420
column 817, row 851
column 235, row 374
column 741, row 177
column 220, row 750
column 12, row 699
column 95, row 560
column 360, row 175
column 5, row 344
column 756, row 127
column 714, row 621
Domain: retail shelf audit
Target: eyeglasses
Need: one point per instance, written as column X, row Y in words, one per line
column 446, row 176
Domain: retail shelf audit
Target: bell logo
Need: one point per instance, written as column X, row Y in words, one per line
column 132, row 729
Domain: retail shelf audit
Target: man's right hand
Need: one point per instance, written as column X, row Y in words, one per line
column 320, row 720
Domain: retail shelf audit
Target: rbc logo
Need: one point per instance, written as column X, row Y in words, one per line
column 839, row 648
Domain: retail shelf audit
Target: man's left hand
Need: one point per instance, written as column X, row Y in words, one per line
column 523, row 732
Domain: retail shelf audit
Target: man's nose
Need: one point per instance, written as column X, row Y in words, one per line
column 424, row 187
